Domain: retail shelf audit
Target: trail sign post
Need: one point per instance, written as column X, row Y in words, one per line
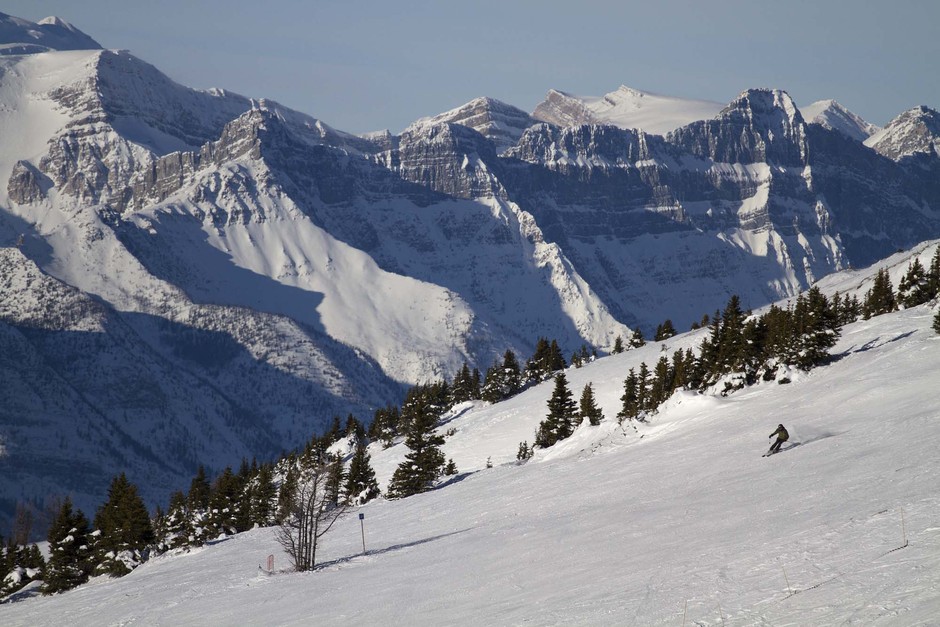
column 362, row 527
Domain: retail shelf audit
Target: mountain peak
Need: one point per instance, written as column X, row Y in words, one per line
column 54, row 20
column 19, row 36
column 760, row 125
column 763, row 99
column 915, row 131
column 832, row 115
column 502, row 123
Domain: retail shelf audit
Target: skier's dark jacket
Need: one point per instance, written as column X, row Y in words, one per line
column 781, row 433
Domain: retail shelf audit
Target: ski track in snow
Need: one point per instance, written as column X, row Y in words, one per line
column 613, row 528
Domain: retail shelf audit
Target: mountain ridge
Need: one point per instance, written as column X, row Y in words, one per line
column 19, row 36
column 351, row 266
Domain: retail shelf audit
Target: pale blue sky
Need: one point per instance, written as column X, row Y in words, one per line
column 363, row 65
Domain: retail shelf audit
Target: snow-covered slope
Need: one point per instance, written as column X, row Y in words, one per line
column 676, row 521
column 625, row 108
column 832, row 115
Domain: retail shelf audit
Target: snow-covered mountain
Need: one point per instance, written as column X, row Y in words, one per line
column 832, row 115
column 19, row 36
column 290, row 271
column 499, row 122
column 914, row 132
column 625, row 108
column 678, row 520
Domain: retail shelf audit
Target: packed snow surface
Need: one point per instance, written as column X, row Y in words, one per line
column 676, row 521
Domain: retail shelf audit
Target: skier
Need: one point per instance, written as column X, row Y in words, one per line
column 782, row 436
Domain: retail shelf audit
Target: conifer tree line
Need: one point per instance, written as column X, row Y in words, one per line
column 122, row 534
column 740, row 350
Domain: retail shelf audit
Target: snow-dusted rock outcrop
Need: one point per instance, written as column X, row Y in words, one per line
column 914, row 132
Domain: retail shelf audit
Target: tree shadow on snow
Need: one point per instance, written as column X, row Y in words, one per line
column 872, row 344
column 390, row 549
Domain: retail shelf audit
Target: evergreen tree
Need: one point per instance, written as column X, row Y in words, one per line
column 361, row 485
column 546, row 360
column 562, row 415
column 818, row 327
column 588, row 407
column 384, row 427
column 665, row 331
column 524, row 451
column 933, row 274
column 642, row 388
column 225, row 506
column 692, row 369
column 914, row 288
column 264, row 498
column 556, row 360
column 69, row 562
column 176, row 527
column 708, row 351
column 636, row 341
column 618, row 346
column 334, row 432
column 199, row 490
column 732, row 349
column 936, row 322
column 424, row 461
column 450, row 469
column 462, row 388
column 537, row 364
column 287, row 493
column 630, row 406
column 124, row 530
column 354, row 428
column 335, row 478
column 680, row 371
column 19, row 565
column 880, row 298
column 661, row 383
column 476, row 385
column 512, row 374
column 576, row 360
column 502, row 380
column 34, row 558
column 847, row 309
column 493, row 384
column 853, row 309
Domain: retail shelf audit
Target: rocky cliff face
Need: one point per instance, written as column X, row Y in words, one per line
column 760, row 126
